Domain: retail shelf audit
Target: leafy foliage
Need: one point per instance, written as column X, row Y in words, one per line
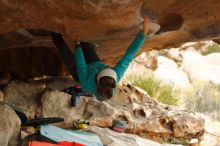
column 156, row 89
column 212, row 49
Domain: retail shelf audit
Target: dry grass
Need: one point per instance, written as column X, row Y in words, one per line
column 155, row 88
column 205, row 98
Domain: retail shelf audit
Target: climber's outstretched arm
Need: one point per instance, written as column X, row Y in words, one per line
column 123, row 63
column 81, row 65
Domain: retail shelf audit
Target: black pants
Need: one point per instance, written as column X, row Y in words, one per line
column 67, row 56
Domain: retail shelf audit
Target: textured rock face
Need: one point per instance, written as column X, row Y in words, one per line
column 57, row 104
column 24, row 95
column 96, row 20
column 148, row 59
column 145, row 116
column 9, row 126
column 110, row 24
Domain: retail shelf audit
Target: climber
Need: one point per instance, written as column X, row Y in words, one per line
column 85, row 66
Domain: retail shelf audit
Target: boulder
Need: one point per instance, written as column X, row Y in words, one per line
column 25, row 95
column 201, row 68
column 148, row 59
column 164, row 61
column 170, row 74
column 213, row 58
column 174, row 54
column 135, row 69
column 141, row 65
column 56, row 103
column 9, row 126
column 146, row 117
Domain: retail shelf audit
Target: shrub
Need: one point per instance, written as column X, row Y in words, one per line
column 205, row 99
column 212, row 49
column 163, row 52
column 156, row 89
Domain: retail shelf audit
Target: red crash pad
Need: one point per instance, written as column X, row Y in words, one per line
column 65, row 143
column 37, row 143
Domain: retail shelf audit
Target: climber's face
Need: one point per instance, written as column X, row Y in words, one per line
column 106, row 88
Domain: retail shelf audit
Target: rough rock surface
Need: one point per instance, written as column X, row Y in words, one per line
column 110, row 24
column 25, row 95
column 96, row 20
column 148, row 59
column 174, row 54
column 9, row 126
column 145, row 116
column 143, row 64
column 57, row 104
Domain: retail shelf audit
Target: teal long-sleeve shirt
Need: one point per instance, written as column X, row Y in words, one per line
column 87, row 72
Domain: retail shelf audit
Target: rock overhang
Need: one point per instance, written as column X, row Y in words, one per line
column 109, row 23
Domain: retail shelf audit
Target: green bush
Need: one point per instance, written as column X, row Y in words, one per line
column 163, row 52
column 212, row 49
column 156, row 89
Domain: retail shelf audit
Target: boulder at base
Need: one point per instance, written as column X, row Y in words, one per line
column 9, row 126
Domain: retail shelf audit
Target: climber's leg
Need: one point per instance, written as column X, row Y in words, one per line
column 67, row 55
column 89, row 52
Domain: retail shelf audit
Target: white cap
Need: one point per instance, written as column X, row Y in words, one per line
column 107, row 73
